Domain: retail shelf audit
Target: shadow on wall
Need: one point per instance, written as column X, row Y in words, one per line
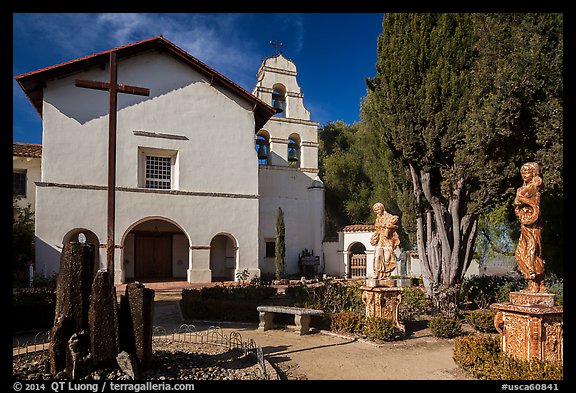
column 296, row 192
column 48, row 258
column 67, row 98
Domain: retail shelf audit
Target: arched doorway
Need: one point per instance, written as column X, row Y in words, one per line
column 357, row 260
column 155, row 249
column 223, row 258
column 88, row 237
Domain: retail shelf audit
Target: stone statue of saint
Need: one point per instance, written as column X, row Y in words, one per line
column 527, row 208
column 385, row 239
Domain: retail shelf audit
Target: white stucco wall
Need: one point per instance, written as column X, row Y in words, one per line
column 294, row 189
column 288, row 188
column 218, row 126
column 333, row 262
column 217, row 168
column 200, row 218
column 32, row 167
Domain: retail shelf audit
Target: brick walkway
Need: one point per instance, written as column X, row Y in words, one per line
column 173, row 285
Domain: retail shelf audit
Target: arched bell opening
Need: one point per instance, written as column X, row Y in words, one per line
column 279, row 99
column 262, row 147
column 294, row 150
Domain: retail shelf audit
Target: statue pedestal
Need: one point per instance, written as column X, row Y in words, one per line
column 380, row 282
column 383, row 302
column 532, row 327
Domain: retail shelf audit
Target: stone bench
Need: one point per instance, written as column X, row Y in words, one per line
column 302, row 317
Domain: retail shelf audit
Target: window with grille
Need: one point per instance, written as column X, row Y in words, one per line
column 158, row 172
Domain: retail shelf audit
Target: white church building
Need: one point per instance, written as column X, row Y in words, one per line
column 202, row 166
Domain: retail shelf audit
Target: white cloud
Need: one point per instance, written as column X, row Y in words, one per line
column 234, row 44
column 216, row 39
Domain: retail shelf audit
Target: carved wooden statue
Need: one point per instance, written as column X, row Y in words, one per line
column 527, row 207
column 385, row 239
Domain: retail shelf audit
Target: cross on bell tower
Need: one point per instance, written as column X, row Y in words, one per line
column 277, row 45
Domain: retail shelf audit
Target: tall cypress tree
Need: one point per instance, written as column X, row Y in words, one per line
column 417, row 102
column 459, row 110
column 280, row 245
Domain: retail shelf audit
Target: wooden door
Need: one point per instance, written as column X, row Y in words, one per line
column 358, row 265
column 153, row 256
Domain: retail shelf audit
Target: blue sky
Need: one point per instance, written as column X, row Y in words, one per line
column 333, row 52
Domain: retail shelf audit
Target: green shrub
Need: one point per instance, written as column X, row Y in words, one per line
column 330, row 297
column 511, row 285
column 191, row 294
column 32, row 308
column 46, row 282
column 480, row 290
column 445, row 327
column 482, row 320
column 506, row 285
column 485, row 290
column 414, row 303
column 480, row 355
column 265, row 279
column 298, row 294
column 477, row 354
column 556, row 286
column 219, row 310
column 381, row 329
column 347, row 321
column 225, row 303
column 236, row 293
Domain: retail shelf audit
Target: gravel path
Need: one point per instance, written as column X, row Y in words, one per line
column 171, row 361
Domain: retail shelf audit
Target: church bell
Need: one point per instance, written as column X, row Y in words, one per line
column 278, row 99
column 261, row 151
column 292, row 155
column 278, row 106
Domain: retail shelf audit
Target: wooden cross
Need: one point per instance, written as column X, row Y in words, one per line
column 113, row 88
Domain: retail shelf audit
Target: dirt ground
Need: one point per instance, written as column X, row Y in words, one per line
column 327, row 356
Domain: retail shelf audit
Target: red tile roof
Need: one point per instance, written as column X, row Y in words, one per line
column 359, row 228
column 27, row 149
column 33, row 83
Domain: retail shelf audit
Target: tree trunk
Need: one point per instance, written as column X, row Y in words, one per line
column 420, row 236
column 446, row 239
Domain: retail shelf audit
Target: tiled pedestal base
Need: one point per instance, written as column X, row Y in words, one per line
column 530, row 326
column 383, row 302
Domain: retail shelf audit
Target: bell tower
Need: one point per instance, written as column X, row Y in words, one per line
column 293, row 137
column 287, row 147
